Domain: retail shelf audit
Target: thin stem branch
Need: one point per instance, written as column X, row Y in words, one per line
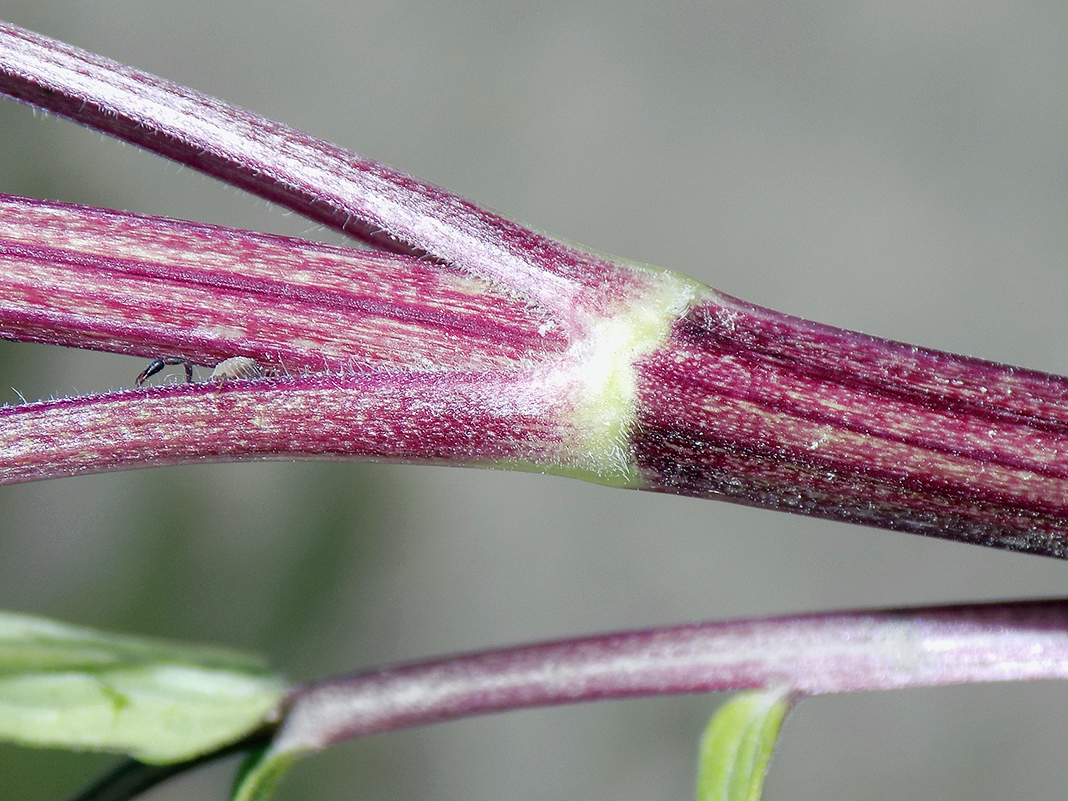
column 131, row 778
column 807, row 655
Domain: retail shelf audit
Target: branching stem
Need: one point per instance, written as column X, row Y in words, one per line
column 503, row 348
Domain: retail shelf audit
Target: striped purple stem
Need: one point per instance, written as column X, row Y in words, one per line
column 737, row 402
column 322, row 181
column 109, row 280
column 762, row 408
column 477, row 419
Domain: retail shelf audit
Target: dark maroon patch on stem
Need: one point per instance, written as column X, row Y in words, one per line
column 765, row 409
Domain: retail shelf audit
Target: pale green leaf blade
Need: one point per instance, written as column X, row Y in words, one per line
column 69, row 687
column 737, row 746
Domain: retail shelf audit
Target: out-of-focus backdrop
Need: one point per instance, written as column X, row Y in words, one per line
column 897, row 168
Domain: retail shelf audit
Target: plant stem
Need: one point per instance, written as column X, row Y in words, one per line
column 322, row 181
column 132, row 778
column 759, row 407
column 564, row 362
column 806, row 655
column 82, row 277
column 371, row 415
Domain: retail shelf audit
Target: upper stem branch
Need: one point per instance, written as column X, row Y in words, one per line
column 315, row 178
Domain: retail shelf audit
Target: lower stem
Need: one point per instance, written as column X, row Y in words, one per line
column 806, row 655
column 483, row 419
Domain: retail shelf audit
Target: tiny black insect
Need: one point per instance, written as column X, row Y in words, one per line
column 231, row 369
column 159, row 364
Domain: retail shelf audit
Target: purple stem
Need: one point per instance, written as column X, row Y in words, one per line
column 755, row 406
column 739, row 402
column 808, row 655
column 315, row 178
column 479, row 419
column 82, row 277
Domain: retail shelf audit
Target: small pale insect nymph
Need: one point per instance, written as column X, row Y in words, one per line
column 232, row 369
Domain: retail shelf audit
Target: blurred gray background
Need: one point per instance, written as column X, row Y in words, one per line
column 897, row 168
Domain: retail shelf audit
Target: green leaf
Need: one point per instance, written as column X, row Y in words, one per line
column 69, row 687
column 259, row 776
column 737, row 745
